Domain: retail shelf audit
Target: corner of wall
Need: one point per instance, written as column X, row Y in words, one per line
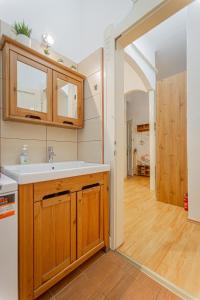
column 90, row 138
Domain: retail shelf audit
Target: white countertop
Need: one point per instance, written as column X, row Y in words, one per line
column 32, row 173
column 7, row 184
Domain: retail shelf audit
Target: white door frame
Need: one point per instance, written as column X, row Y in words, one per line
column 144, row 16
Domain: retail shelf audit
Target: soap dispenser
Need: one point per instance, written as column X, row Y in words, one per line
column 24, row 158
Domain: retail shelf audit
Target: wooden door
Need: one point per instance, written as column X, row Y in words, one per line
column 54, row 236
column 89, row 219
column 67, row 100
column 171, row 166
column 30, row 88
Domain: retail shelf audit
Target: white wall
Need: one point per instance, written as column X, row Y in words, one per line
column 131, row 80
column 60, row 18
column 138, row 107
column 96, row 15
column 193, row 109
column 147, row 69
column 77, row 26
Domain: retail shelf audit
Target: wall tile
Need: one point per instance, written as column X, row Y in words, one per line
column 93, row 107
column 92, row 85
column 91, row 64
column 92, row 130
column 61, row 134
column 64, row 150
column 11, row 149
column 90, row 151
column 19, row 130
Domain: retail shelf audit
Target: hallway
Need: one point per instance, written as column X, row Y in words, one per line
column 159, row 236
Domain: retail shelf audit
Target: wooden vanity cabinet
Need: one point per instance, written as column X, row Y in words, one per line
column 61, row 224
column 38, row 89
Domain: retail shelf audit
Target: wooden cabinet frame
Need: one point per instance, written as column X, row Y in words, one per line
column 21, row 112
column 93, row 229
column 31, row 200
column 67, row 120
column 13, row 50
column 51, row 205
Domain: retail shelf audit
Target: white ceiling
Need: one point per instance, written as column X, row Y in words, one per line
column 168, row 41
column 76, row 25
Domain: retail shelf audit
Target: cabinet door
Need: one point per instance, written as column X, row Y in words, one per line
column 67, row 100
column 54, row 236
column 89, row 219
column 30, row 89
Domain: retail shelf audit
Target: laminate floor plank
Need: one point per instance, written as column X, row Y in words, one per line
column 107, row 276
column 160, row 237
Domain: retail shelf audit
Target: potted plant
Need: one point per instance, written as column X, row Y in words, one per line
column 23, row 33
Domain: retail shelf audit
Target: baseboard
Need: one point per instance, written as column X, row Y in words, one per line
column 161, row 280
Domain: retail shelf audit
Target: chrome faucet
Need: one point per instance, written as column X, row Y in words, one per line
column 50, row 154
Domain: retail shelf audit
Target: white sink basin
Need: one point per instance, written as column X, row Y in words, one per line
column 31, row 173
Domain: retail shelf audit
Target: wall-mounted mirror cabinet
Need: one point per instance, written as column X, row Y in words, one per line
column 40, row 90
column 67, row 92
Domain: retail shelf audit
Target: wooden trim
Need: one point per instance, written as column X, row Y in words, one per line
column 26, row 242
column 101, row 208
column 151, row 20
column 66, row 271
column 39, row 122
column 79, row 227
column 37, row 276
column 49, row 61
column 5, row 71
column 106, row 208
column 73, row 227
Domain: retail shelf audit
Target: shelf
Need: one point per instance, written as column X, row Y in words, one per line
column 142, row 127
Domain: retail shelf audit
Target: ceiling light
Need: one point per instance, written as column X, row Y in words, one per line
column 48, row 39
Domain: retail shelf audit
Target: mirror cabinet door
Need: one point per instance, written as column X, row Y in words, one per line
column 31, row 88
column 67, row 95
column 67, row 99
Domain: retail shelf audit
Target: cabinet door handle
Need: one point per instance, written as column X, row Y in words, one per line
column 32, row 117
column 68, row 122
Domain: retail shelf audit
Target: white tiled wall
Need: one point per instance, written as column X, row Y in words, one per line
column 90, row 138
column 13, row 135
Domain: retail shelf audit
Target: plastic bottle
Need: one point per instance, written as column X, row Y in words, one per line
column 24, row 157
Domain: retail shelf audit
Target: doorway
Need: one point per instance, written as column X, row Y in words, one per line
column 138, row 138
column 118, row 57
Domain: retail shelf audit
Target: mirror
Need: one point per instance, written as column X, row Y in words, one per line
column 66, row 99
column 31, row 88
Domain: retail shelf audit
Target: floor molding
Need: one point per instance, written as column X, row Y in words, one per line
column 161, row 280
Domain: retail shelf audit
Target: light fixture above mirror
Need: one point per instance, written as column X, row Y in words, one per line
column 48, row 41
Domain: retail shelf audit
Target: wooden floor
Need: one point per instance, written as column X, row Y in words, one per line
column 159, row 236
column 108, row 276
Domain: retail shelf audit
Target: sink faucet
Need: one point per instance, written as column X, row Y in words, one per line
column 50, row 154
